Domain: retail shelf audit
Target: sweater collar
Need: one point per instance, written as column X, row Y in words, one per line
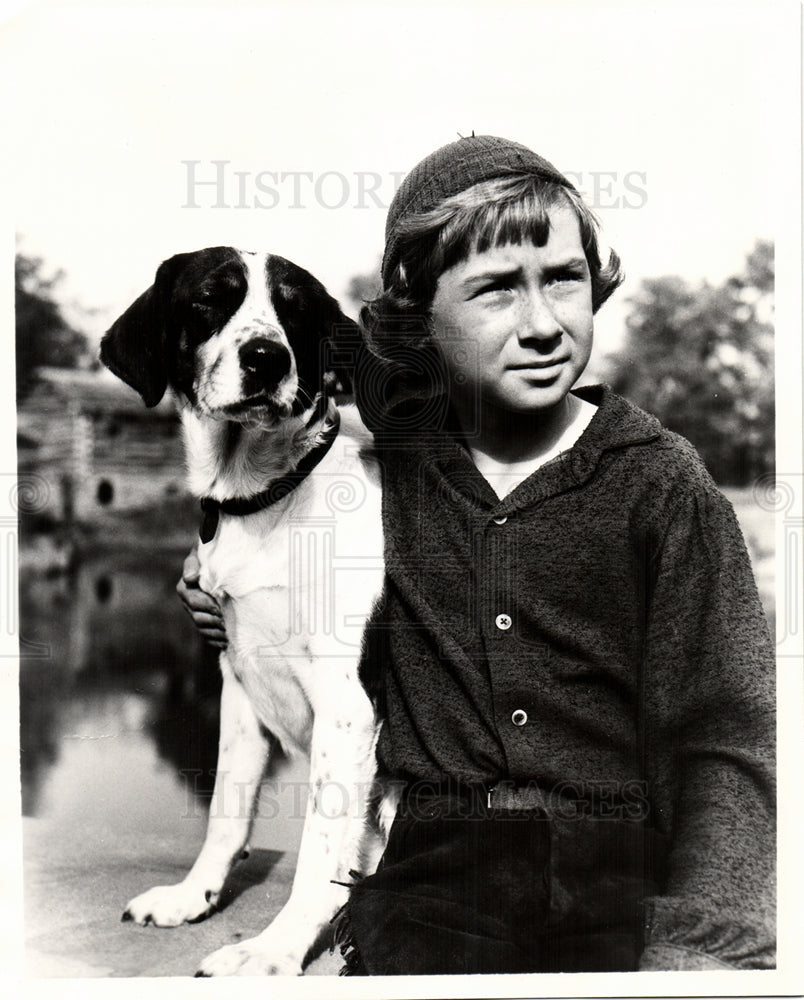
column 617, row 423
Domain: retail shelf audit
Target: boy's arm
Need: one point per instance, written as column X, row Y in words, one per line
column 201, row 606
column 710, row 724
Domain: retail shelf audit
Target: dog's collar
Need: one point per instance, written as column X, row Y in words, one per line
column 277, row 489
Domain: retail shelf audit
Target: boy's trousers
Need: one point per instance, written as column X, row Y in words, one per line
column 468, row 888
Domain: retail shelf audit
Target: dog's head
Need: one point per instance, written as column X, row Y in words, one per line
column 240, row 336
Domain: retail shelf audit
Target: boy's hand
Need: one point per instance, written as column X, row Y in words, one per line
column 202, row 607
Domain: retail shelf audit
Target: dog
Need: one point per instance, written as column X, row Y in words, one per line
column 291, row 547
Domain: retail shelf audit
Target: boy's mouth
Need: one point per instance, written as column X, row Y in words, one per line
column 538, row 365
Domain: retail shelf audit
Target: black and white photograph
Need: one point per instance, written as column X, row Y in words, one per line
column 402, row 499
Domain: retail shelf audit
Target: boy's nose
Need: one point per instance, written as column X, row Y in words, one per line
column 539, row 321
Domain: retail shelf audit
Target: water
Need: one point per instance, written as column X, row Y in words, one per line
column 119, row 700
column 119, row 708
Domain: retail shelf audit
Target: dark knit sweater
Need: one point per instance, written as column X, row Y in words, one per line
column 597, row 631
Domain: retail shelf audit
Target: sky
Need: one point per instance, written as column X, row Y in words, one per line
column 147, row 129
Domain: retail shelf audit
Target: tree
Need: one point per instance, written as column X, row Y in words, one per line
column 364, row 287
column 43, row 335
column 701, row 359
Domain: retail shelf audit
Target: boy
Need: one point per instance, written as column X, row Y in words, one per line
column 574, row 671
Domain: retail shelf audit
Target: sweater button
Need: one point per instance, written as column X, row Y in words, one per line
column 519, row 717
column 501, row 520
column 503, row 622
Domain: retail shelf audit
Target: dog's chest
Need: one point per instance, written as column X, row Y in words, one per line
column 296, row 583
column 322, row 543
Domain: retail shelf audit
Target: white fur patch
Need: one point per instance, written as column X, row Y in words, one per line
column 219, row 380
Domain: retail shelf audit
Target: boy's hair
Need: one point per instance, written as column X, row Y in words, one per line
column 507, row 209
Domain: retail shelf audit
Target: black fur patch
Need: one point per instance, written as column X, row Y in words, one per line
column 207, row 294
column 312, row 321
column 153, row 343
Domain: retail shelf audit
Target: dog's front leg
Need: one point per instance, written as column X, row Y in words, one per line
column 336, row 834
column 242, row 756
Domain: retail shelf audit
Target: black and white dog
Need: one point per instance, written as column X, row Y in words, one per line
column 291, row 546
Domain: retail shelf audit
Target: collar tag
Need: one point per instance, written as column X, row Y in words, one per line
column 209, row 523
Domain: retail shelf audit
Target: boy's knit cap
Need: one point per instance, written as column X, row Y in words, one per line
column 454, row 168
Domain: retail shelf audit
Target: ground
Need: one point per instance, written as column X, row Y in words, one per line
column 74, row 900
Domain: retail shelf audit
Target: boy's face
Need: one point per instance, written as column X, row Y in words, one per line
column 514, row 323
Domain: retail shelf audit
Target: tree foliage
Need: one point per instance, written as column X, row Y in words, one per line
column 364, row 287
column 43, row 335
column 701, row 358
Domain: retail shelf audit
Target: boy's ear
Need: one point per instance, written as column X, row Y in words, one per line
column 134, row 347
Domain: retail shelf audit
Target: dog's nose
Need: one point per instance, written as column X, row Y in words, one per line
column 266, row 360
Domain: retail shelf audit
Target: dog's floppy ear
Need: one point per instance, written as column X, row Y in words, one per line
column 134, row 347
column 343, row 341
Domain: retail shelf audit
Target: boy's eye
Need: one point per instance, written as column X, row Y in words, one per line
column 567, row 274
column 493, row 286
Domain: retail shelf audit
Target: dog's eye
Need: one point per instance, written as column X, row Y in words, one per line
column 204, row 299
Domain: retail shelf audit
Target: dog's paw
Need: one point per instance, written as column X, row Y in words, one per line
column 170, row 905
column 249, row 958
